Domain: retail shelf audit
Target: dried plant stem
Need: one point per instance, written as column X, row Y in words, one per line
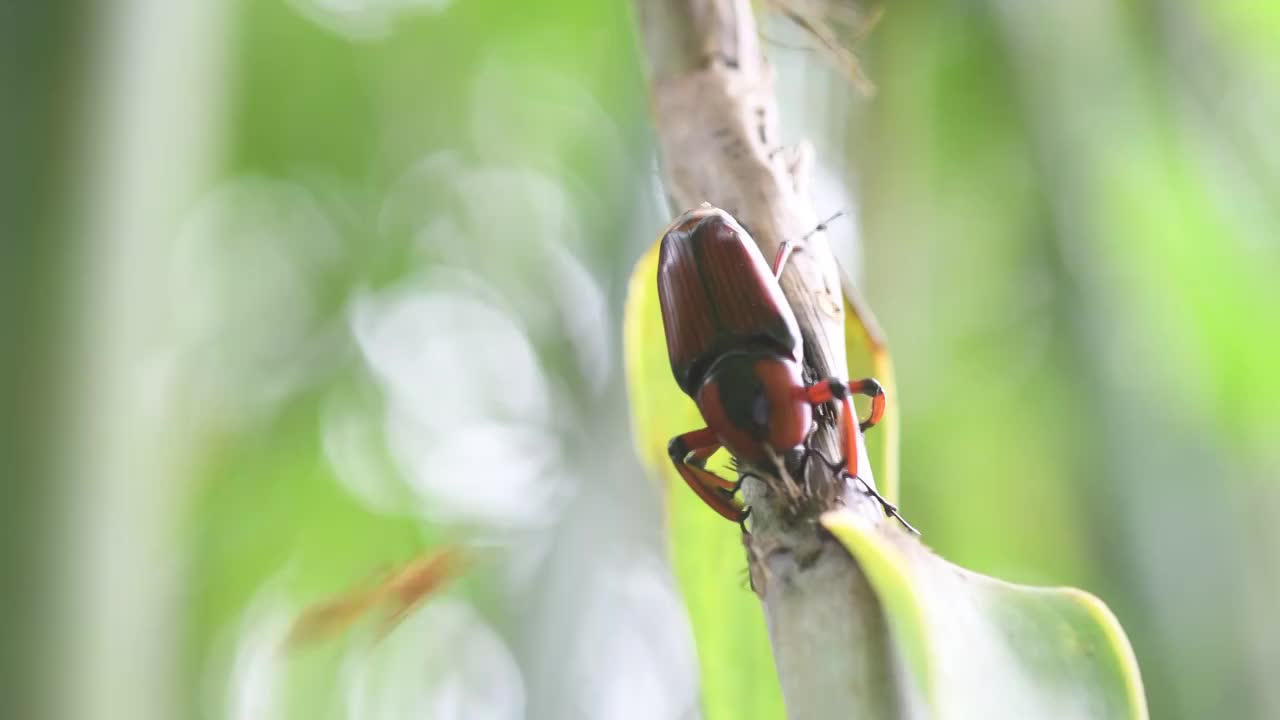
column 716, row 115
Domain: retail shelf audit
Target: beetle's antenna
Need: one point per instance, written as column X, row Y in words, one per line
column 785, row 248
column 823, row 226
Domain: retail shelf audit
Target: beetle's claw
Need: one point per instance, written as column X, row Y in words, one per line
column 742, row 477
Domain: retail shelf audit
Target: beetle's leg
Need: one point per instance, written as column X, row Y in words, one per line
column 889, row 508
column 842, row 467
column 779, row 260
column 832, row 466
column 715, row 491
column 704, row 484
column 693, row 448
column 742, row 477
column 700, row 456
column 784, row 249
column 849, row 436
column 872, row 389
column 836, row 389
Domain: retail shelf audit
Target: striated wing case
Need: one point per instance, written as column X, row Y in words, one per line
column 718, row 295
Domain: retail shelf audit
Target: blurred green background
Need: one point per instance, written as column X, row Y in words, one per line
column 294, row 289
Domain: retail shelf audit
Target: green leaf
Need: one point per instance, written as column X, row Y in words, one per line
column 977, row 647
column 737, row 673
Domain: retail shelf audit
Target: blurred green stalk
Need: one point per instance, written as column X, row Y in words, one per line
column 97, row 445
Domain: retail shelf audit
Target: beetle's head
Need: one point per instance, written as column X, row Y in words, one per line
column 753, row 400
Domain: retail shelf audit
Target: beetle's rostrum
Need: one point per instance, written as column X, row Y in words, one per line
column 735, row 348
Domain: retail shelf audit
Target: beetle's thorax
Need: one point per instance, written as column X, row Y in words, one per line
column 754, row 400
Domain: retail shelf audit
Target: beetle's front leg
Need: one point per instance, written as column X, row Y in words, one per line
column 715, row 491
column 786, row 246
column 836, row 389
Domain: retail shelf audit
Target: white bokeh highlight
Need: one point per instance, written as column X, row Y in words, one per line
column 467, row 409
column 364, row 20
column 443, row 663
column 245, row 283
column 258, row 672
column 635, row 658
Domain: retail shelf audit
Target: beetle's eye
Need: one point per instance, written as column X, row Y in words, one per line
column 760, row 411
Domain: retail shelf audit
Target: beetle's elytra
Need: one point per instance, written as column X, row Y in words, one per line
column 718, row 296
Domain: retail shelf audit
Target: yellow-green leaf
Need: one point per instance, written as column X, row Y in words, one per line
column 737, row 673
column 866, row 348
column 977, row 647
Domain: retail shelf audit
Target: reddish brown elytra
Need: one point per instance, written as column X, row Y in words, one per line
column 735, row 349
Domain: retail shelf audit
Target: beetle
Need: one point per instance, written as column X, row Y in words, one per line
column 735, row 348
